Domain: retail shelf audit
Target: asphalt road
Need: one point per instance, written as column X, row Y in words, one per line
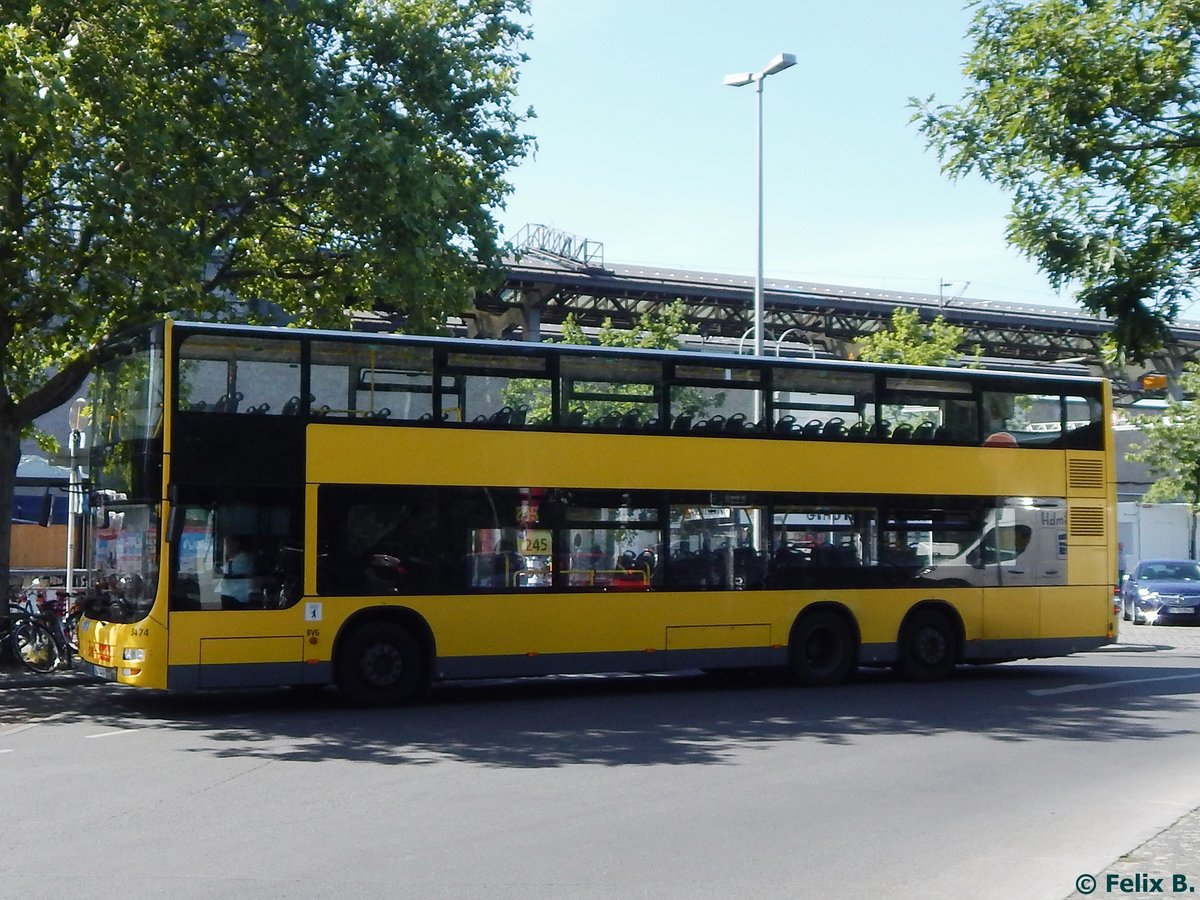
column 1006, row 781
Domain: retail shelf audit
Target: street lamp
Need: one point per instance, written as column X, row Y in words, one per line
column 74, row 488
column 778, row 64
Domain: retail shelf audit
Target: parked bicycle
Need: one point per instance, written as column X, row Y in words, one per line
column 43, row 630
column 25, row 637
column 58, row 619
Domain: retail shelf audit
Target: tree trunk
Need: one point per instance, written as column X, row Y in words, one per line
column 10, row 457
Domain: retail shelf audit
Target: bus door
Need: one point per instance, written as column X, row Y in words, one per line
column 236, row 568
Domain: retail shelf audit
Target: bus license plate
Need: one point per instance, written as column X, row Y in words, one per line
column 105, row 673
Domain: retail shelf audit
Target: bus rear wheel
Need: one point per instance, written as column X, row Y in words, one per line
column 381, row 664
column 822, row 650
column 928, row 647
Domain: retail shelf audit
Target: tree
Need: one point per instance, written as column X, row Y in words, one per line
column 660, row 329
column 1172, row 450
column 164, row 156
column 1088, row 113
column 910, row 341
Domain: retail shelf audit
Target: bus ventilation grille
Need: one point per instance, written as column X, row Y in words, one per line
column 1086, row 521
column 1085, row 474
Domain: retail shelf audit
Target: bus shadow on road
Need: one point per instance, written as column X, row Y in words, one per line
column 615, row 720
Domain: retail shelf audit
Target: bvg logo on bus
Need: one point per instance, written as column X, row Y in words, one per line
column 101, row 653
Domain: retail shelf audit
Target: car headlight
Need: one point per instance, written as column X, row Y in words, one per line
column 1147, row 594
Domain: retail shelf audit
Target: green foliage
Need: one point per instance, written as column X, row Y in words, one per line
column 912, row 342
column 163, row 156
column 160, row 155
column 1172, row 448
column 659, row 330
column 1087, row 112
column 46, row 442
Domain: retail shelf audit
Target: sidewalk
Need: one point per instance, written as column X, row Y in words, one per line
column 1172, row 853
column 15, row 675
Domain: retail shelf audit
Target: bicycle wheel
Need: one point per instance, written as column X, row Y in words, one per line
column 70, row 630
column 34, row 645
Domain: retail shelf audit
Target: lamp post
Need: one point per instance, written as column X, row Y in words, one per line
column 74, row 490
column 780, row 62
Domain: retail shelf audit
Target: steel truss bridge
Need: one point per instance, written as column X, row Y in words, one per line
column 557, row 274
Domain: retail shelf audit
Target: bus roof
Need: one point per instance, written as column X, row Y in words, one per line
column 721, row 359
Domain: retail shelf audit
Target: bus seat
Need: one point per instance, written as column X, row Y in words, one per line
column 923, row 432
column 902, row 432
column 683, row 422
column 813, row 428
column 735, row 424
column 785, row 425
column 229, row 403
column 834, row 428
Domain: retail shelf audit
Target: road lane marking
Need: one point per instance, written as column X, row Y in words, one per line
column 1079, row 688
column 111, row 733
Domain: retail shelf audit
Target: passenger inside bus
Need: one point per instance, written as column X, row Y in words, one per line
column 237, row 573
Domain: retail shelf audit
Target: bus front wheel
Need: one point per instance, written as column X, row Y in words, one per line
column 822, row 650
column 379, row 665
column 928, row 647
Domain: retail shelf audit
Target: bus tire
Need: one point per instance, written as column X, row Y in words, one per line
column 380, row 664
column 822, row 649
column 928, row 646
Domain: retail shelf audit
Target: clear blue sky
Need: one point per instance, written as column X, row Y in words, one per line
column 641, row 146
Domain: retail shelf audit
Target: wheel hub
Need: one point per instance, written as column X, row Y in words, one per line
column 382, row 665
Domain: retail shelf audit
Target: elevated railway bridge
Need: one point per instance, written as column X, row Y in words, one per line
column 557, row 274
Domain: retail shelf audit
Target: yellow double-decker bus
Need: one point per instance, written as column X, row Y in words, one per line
column 285, row 507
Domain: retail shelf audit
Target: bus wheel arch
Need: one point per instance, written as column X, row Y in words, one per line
column 930, row 642
column 823, row 645
column 383, row 657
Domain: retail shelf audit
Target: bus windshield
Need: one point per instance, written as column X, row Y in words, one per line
column 126, row 476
